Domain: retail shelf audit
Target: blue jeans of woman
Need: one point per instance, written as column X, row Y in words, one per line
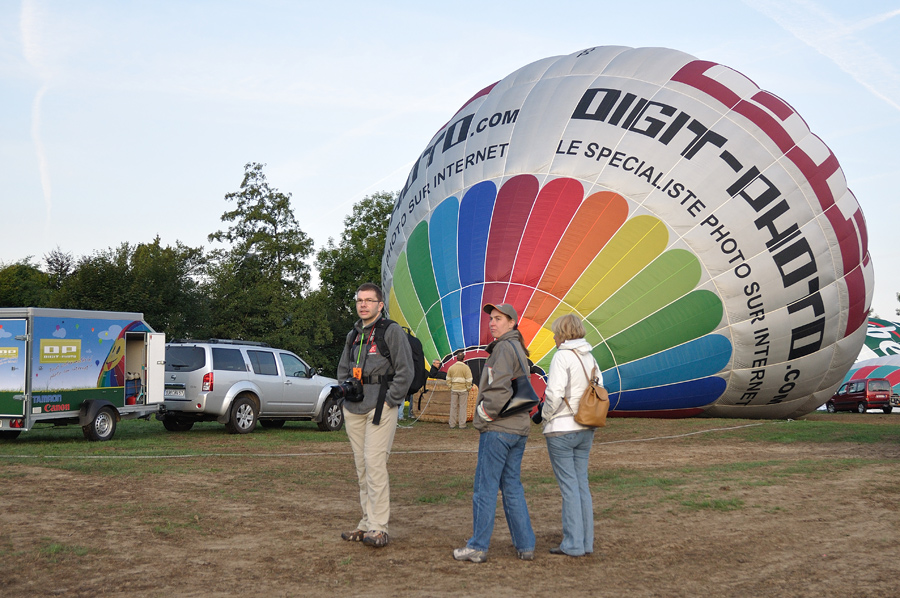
column 498, row 469
column 569, row 458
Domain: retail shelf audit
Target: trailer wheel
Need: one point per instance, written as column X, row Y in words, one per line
column 102, row 427
column 174, row 424
column 9, row 434
column 243, row 416
column 271, row 423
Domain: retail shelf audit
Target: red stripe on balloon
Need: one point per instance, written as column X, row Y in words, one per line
column 596, row 221
column 515, row 199
column 863, row 372
column 556, row 204
column 854, row 246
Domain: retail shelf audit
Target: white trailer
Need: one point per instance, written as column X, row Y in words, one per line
column 68, row 366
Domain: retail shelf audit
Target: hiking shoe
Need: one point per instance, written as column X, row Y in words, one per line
column 470, row 554
column 375, row 539
column 356, row 535
column 526, row 555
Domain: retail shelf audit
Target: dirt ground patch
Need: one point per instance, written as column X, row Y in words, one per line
column 711, row 513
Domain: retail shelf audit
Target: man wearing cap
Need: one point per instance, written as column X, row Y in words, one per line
column 501, row 442
column 459, row 377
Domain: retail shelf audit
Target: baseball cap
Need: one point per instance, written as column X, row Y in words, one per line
column 504, row 308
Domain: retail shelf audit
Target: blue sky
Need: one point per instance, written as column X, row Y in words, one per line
column 120, row 121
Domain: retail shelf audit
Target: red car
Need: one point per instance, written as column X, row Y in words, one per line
column 860, row 395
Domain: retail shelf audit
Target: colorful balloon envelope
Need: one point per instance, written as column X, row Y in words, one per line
column 882, row 340
column 705, row 237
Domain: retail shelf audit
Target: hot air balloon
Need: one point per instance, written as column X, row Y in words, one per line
column 882, row 339
column 706, row 238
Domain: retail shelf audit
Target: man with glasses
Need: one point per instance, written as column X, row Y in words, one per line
column 378, row 354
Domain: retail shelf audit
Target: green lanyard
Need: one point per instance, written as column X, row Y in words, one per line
column 359, row 355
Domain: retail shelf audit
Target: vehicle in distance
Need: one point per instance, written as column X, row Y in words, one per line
column 240, row 383
column 860, row 395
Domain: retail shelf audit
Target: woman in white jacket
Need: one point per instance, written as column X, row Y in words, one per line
column 569, row 443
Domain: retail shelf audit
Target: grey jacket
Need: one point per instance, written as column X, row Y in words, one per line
column 495, row 387
column 374, row 363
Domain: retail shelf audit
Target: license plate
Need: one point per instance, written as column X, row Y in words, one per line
column 174, row 392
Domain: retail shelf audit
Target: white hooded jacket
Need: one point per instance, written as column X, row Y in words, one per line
column 566, row 379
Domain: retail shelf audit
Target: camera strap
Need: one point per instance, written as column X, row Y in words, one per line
column 383, row 380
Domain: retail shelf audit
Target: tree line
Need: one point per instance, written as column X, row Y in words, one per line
column 254, row 284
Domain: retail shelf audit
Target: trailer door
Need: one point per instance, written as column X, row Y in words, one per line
column 156, row 366
column 13, row 373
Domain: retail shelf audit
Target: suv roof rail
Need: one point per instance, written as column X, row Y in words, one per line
column 220, row 341
column 233, row 341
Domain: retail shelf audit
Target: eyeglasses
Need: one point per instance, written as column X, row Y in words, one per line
column 369, row 301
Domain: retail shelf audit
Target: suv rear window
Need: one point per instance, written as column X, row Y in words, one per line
column 263, row 362
column 184, row 359
column 879, row 385
column 229, row 360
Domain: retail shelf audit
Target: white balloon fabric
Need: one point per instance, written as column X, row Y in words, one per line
column 706, row 238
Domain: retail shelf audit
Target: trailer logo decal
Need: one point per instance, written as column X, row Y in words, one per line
column 60, row 351
column 38, row 399
column 9, row 352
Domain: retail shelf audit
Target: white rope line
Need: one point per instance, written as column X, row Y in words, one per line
column 681, row 435
column 339, row 453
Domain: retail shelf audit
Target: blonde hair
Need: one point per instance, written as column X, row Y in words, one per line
column 567, row 327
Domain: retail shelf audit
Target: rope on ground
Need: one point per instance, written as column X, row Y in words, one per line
column 337, row 453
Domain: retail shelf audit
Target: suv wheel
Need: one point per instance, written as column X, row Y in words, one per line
column 887, row 409
column 243, row 416
column 174, row 424
column 860, row 407
column 830, row 407
column 332, row 416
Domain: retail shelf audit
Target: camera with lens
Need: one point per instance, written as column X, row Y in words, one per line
column 350, row 389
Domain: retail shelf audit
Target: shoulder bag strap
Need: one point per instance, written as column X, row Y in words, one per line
column 578, row 357
column 525, row 369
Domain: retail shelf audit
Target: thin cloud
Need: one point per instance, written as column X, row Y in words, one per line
column 39, row 148
column 838, row 41
column 32, row 50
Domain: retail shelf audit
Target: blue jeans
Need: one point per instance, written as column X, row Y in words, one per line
column 569, row 458
column 498, row 469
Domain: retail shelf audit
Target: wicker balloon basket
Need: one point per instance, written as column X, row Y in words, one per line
column 435, row 403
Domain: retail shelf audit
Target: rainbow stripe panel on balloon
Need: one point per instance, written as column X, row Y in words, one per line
column 706, row 238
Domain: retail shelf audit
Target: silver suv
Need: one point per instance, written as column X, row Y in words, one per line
column 238, row 383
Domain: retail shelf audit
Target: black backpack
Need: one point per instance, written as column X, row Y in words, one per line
column 415, row 346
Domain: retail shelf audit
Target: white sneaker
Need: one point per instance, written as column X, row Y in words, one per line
column 470, row 554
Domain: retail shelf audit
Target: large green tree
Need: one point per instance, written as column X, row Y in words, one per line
column 160, row 282
column 263, row 226
column 59, row 264
column 258, row 279
column 345, row 265
column 22, row 284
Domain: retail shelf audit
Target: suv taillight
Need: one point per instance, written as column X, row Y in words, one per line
column 207, row 382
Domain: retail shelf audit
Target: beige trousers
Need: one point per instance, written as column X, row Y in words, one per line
column 459, row 400
column 371, row 446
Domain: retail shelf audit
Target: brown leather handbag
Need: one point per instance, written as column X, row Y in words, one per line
column 594, row 404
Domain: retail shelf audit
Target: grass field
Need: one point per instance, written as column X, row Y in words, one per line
column 688, row 507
